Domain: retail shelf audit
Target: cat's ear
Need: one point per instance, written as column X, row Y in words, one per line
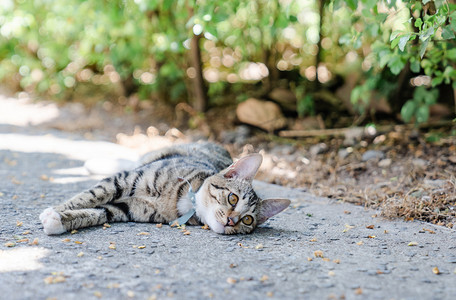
column 271, row 207
column 245, row 168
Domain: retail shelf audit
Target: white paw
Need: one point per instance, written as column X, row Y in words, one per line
column 52, row 222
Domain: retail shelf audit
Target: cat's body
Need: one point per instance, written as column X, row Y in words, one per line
column 158, row 192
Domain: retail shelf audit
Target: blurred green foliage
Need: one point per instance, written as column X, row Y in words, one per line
column 142, row 47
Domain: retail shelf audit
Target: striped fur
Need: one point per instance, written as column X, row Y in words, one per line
column 153, row 193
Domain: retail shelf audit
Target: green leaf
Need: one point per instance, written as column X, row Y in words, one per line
column 403, row 41
column 423, row 47
column 408, row 110
column 353, row 4
column 396, row 64
column 427, row 34
column 436, row 81
column 395, row 34
column 395, row 42
column 418, row 23
column 422, row 114
column 447, row 33
column 451, row 54
column 415, row 66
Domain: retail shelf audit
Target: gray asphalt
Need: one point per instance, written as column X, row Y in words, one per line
column 316, row 249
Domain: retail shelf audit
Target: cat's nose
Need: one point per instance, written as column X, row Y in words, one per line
column 231, row 221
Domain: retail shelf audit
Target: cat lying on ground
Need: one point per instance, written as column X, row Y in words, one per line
column 161, row 191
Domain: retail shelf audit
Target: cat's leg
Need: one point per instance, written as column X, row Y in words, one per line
column 109, row 190
column 59, row 222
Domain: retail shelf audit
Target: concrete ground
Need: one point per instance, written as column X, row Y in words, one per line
column 316, row 249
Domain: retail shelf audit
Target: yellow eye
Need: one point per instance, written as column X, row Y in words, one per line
column 247, row 220
column 233, row 199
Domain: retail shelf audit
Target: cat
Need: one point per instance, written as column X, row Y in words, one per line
column 161, row 191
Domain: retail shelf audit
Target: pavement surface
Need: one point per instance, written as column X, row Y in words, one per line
column 316, row 249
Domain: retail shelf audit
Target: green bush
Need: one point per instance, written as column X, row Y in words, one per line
column 144, row 47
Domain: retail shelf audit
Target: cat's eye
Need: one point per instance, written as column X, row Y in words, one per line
column 233, row 199
column 247, row 220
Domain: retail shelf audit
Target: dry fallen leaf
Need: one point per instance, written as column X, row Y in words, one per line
column 35, row 242
column 44, row 177
column 19, row 223
column 66, row 240
column 370, row 226
column 143, row 233
column 130, row 294
column 54, row 279
column 337, row 261
column 411, row 244
column 264, row 278
column 73, row 231
column 97, row 294
column 331, row 273
column 347, row 212
column 359, row 243
column 270, row 294
column 231, row 280
column 318, row 253
column 371, row 236
column 358, row 291
column 141, row 247
column 159, row 225
column 186, row 232
column 232, row 266
column 309, row 258
column 26, row 232
column 112, row 246
column 22, row 241
column 80, row 254
column 326, row 259
column 10, row 244
column 78, row 242
column 205, row 227
column 348, row 227
column 259, row 246
column 429, row 230
column 436, row 271
column 313, row 240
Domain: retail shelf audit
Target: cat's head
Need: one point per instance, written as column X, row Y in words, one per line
column 228, row 203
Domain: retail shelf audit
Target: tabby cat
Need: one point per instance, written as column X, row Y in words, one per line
column 161, row 190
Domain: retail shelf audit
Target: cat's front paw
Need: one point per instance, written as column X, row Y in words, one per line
column 52, row 222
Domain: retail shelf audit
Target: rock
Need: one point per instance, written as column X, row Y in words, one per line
column 372, row 154
column 318, row 149
column 420, row 163
column 353, row 136
column 344, row 153
column 384, row 163
column 285, row 98
column 263, row 114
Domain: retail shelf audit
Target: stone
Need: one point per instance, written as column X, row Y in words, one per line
column 353, row 136
column 263, row 114
column 285, row 98
column 385, row 163
column 318, row 149
column 420, row 163
column 372, row 154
